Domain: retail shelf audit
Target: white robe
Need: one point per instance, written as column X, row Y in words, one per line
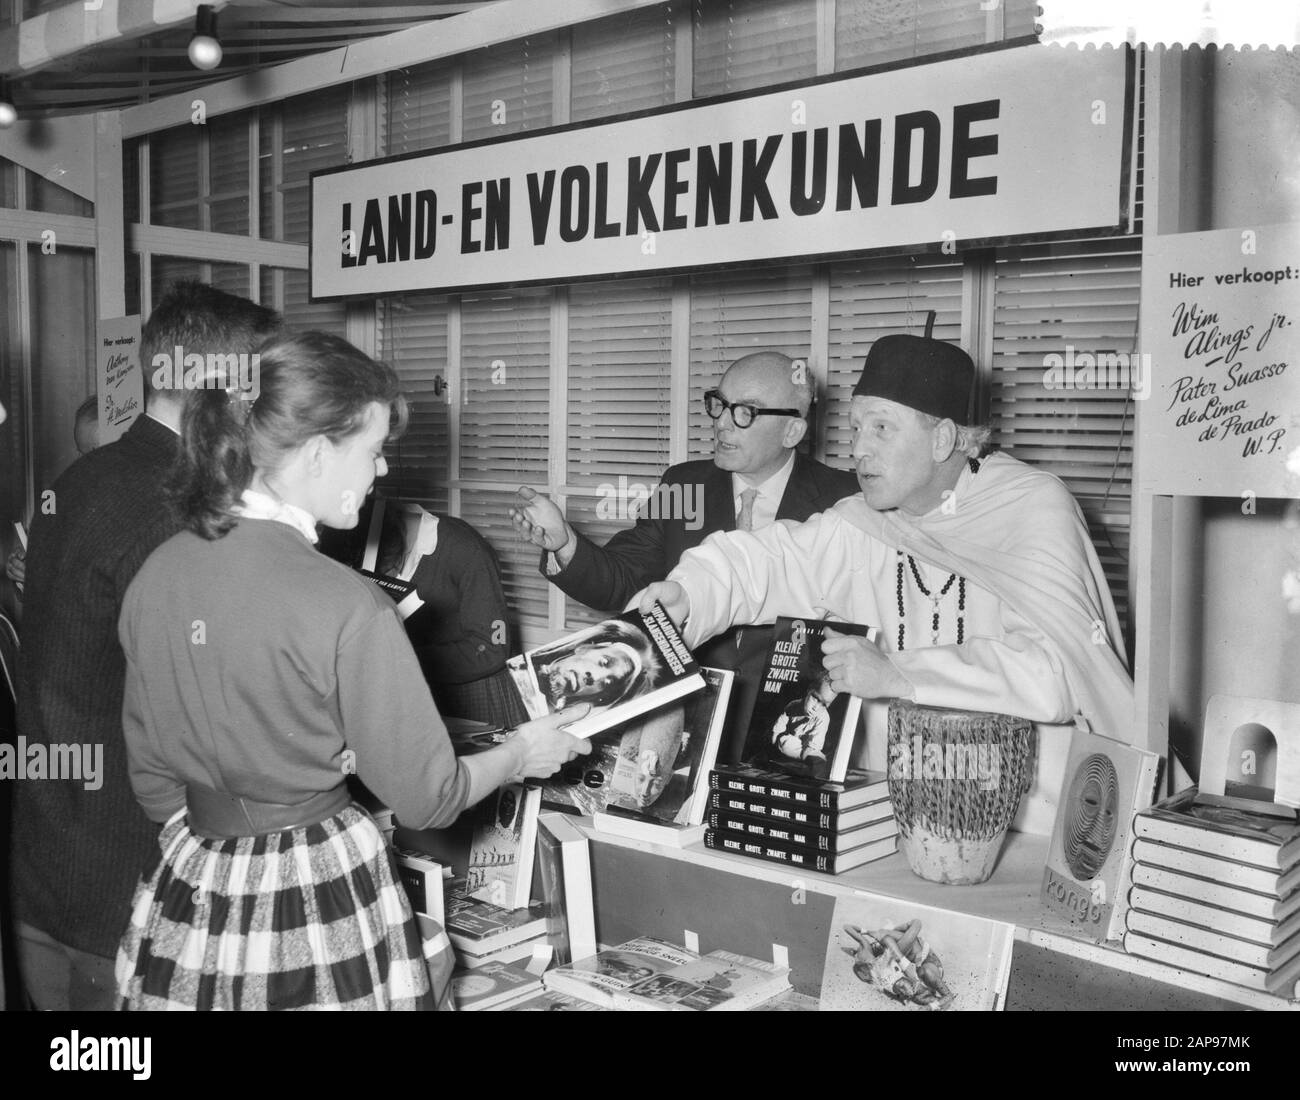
column 1041, row 636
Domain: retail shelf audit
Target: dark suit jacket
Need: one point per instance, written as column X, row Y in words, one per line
column 78, row 853
column 606, row 578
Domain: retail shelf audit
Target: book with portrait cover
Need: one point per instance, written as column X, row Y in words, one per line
column 654, row 769
column 799, row 724
column 501, row 851
column 623, row 667
column 721, row 981
column 660, row 786
column 1086, row 878
column 598, row 978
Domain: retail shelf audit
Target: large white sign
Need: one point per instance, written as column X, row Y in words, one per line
column 1019, row 142
column 1221, row 340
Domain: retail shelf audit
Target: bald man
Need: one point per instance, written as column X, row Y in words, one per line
column 760, row 415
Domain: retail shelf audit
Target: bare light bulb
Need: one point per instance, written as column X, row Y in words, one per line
column 205, row 52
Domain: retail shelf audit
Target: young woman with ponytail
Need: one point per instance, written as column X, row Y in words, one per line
column 259, row 674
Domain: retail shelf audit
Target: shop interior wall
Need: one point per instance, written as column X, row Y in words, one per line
column 1233, row 631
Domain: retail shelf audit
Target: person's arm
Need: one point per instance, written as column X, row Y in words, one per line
column 1015, row 674
column 402, row 750
column 157, row 788
column 743, row 577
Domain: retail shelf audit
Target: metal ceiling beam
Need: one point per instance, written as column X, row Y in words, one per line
column 491, row 25
column 72, row 29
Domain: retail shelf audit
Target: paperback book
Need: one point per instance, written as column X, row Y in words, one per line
column 501, row 852
column 1270, row 933
column 1252, row 903
column 652, row 770
column 1085, row 880
column 546, row 1000
column 398, row 535
column 1281, row 982
column 857, row 788
column 597, row 979
column 781, row 811
column 890, row 955
column 821, row 840
column 1243, row 876
column 564, row 861
column 1258, row 839
column 522, row 950
column 719, row 982
column 423, row 879
column 799, row 723
column 796, row 855
column 1268, row 957
column 479, row 927
column 622, row 667
column 492, row 985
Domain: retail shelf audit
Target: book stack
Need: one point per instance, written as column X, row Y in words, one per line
column 1216, row 891
column 484, row 933
column 813, row 824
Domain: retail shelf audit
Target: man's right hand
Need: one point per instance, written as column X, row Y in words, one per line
column 544, row 747
column 16, row 566
column 670, row 594
column 539, row 519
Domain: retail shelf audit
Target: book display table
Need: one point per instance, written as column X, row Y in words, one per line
column 749, row 906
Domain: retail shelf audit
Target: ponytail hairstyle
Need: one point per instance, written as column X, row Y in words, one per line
column 305, row 384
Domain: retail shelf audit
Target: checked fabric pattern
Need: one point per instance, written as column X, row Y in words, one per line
column 307, row 918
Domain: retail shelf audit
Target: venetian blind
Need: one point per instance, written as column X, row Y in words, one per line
column 1068, row 299
column 871, row 299
column 620, row 339
column 413, row 338
column 876, row 32
column 743, row 44
column 174, row 184
column 415, row 109
column 311, row 132
column 734, row 313
column 504, row 426
column 509, row 88
column 294, row 302
column 623, row 63
column 227, row 196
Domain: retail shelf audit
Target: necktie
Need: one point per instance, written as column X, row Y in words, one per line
column 745, row 521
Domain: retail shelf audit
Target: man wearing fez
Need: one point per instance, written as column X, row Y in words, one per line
column 978, row 570
column 759, row 411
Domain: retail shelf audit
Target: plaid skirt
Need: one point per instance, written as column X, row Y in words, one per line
column 493, row 699
column 307, row 918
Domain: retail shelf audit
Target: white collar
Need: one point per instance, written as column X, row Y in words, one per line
column 773, row 486
column 255, row 505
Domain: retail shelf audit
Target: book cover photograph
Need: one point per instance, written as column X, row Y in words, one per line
column 890, row 955
column 623, row 667
column 501, row 852
column 656, row 767
column 799, row 724
column 614, row 970
column 721, row 981
column 1085, row 881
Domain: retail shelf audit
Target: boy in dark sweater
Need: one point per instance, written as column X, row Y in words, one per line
column 77, row 851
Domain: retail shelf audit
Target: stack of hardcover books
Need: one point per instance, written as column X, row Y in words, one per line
column 1216, row 891
column 802, row 822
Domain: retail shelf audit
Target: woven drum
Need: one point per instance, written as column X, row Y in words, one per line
column 956, row 778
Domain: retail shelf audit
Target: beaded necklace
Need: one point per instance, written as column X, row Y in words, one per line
column 933, row 597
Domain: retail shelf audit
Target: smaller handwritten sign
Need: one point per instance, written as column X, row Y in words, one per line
column 119, row 379
column 1221, row 332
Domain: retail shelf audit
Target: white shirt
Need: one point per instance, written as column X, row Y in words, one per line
column 769, row 496
column 255, row 505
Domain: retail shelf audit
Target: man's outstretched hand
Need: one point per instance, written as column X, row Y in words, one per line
column 538, row 518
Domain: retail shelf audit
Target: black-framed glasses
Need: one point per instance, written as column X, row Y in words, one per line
column 742, row 415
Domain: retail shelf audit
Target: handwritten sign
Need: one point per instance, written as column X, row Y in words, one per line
column 1221, row 340
column 119, row 379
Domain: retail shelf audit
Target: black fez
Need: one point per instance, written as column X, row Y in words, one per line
column 931, row 376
